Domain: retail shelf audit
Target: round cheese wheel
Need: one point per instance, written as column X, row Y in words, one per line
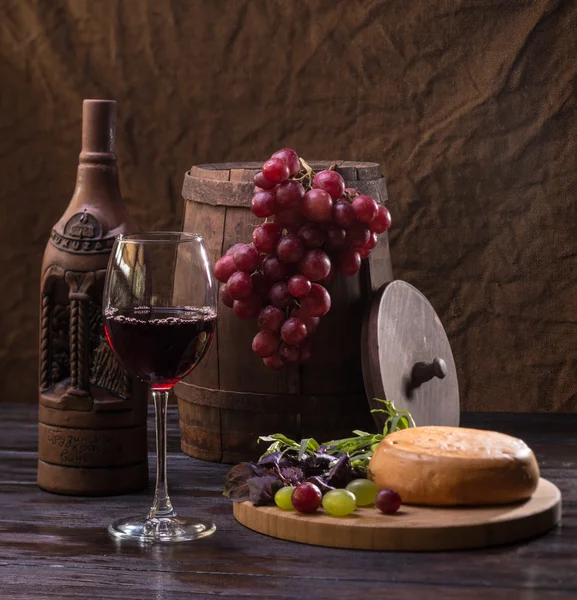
column 443, row 466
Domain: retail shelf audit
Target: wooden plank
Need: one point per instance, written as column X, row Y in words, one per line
column 376, row 188
column 348, row 169
column 259, row 402
column 243, row 174
column 202, row 425
column 379, row 269
column 57, row 546
column 209, row 222
column 217, row 192
column 369, row 172
column 214, row 172
column 337, row 368
column 200, row 429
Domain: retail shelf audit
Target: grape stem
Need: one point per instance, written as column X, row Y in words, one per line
column 307, row 176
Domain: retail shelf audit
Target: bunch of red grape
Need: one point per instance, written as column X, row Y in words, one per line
column 313, row 226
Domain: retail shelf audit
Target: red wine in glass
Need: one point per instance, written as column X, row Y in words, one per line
column 160, row 345
column 159, row 311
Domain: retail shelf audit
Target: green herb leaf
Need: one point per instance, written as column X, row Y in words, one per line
column 304, row 447
column 396, row 419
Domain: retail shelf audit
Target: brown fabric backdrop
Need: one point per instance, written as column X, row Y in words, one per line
column 469, row 106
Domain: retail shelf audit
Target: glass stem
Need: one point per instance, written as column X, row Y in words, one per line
column 162, row 506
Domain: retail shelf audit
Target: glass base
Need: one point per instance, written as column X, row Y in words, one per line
column 160, row 529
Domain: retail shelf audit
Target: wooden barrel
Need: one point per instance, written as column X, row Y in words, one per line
column 231, row 397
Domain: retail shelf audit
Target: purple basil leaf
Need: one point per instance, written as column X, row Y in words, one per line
column 341, row 472
column 270, row 461
column 321, row 484
column 316, row 463
column 262, row 489
column 288, row 460
column 292, row 475
column 236, row 483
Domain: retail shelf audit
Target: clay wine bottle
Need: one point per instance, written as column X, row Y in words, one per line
column 92, row 429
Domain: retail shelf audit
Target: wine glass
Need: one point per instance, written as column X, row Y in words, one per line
column 159, row 317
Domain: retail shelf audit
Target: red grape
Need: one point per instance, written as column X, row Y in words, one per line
column 293, row 331
column 357, row 236
column 224, row 268
column 317, row 302
column 382, row 220
column 239, row 285
column 291, row 158
column 311, row 323
column 280, row 295
column 246, row 258
column 233, row 249
column 387, row 501
column 260, row 285
column 265, row 344
column 274, row 362
column 306, row 497
column 290, row 355
column 365, row 208
column 262, row 182
column 290, row 249
column 365, row 251
column 331, row 182
column 352, row 191
column 373, row 239
column 315, row 265
column 343, row 214
column 317, row 205
column 275, row 170
column 225, row 297
column 247, row 308
column 263, row 204
column 335, row 236
column 266, row 236
column 270, row 319
column 289, row 194
column 311, row 235
column 274, row 269
column 299, row 286
column 306, row 350
column 349, row 262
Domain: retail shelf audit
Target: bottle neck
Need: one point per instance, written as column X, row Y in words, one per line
column 97, row 179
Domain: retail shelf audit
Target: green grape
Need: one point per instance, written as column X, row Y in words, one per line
column 283, row 498
column 365, row 491
column 339, row 503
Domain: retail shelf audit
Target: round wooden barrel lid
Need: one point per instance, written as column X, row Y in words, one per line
column 407, row 358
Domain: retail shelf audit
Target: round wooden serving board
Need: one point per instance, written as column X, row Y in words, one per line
column 413, row 527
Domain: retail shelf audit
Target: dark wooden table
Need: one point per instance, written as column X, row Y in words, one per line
column 57, row 547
